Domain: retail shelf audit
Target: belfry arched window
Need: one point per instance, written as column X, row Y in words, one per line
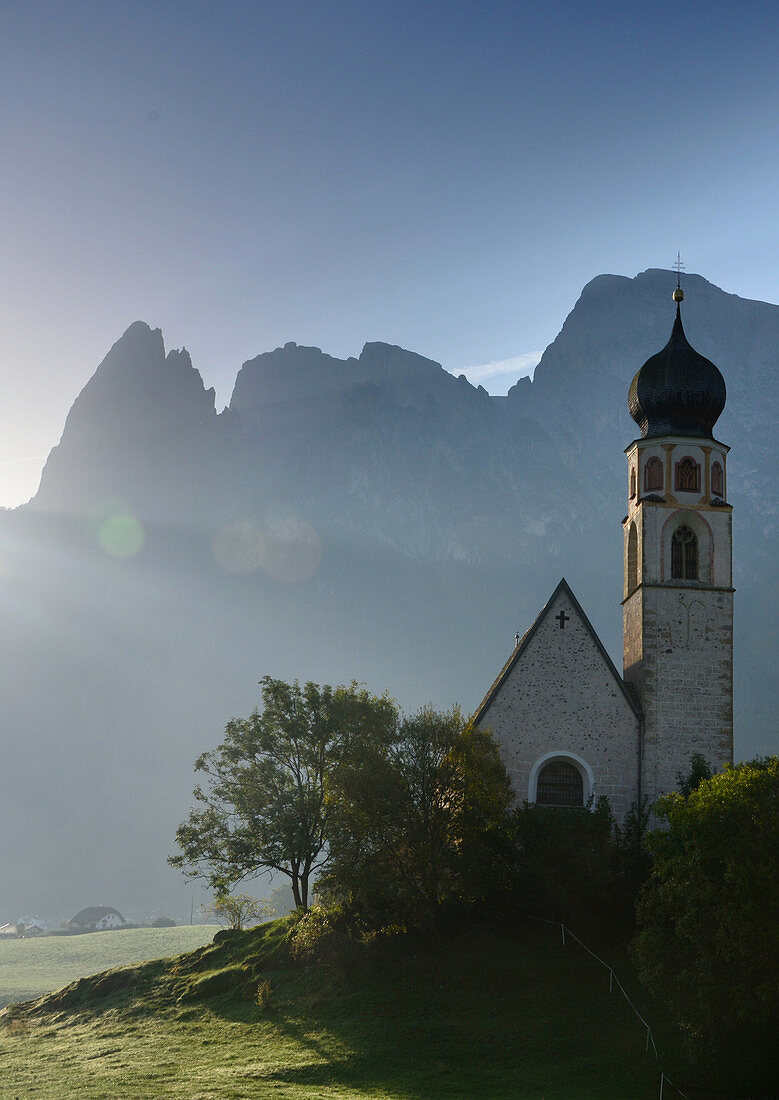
column 717, row 481
column 688, row 476
column 632, row 558
column 560, row 783
column 653, row 475
column 632, row 482
column 684, row 555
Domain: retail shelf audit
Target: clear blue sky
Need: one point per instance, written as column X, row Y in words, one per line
column 445, row 176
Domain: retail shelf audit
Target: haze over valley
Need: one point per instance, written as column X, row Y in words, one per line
column 370, row 518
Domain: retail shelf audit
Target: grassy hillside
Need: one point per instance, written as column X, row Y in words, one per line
column 31, row 967
column 489, row 1013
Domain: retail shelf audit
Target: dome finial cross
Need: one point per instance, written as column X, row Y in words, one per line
column 678, row 268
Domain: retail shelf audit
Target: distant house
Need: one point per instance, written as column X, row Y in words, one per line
column 97, row 918
column 22, row 929
column 33, row 930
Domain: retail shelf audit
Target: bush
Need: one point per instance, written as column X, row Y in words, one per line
column 575, row 863
column 320, row 935
column 708, row 936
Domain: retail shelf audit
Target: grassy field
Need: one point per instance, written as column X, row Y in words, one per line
column 498, row 1014
column 31, row 967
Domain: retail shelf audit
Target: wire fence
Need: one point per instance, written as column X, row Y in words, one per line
column 614, row 980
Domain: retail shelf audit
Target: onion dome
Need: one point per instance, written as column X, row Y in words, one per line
column 677, row 391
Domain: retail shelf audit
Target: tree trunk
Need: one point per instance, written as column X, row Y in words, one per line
column 296, row 891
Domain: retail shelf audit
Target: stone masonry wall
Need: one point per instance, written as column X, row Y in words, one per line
column 561, row 696
column 686, row 677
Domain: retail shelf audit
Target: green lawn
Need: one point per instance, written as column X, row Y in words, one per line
column 31, row 967
column 492, row 1014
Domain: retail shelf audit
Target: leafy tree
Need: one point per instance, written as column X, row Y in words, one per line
column 569, row 861
column 422, row 820
column 267, row 804
column 700, row 769
column 237, row 910
column 708, row 938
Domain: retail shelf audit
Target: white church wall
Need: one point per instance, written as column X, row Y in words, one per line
column 561, row 699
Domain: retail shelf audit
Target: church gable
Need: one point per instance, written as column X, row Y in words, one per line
column 561, row 713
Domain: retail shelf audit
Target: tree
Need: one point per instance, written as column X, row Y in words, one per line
column 237, row 910
column 422, row 821
column 569, row 860
column 708, row 919
column 700, row 769
column 267, row 804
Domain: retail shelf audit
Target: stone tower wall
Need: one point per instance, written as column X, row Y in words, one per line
column 679, row 657
column 678, row 634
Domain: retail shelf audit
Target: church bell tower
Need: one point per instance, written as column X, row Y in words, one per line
column 678, row 587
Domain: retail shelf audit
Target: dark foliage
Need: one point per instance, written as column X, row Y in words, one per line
column 575, row 863
column 700, row 769
column 708, row 920
column 423, row 823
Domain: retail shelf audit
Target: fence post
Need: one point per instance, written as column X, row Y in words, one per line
column 662, row 1079
column 611, row 981
column 647, row 1040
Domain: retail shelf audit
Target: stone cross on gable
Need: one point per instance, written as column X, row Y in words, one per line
column 562, row 619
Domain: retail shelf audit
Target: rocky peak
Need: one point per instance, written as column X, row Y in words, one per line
column 139, row 409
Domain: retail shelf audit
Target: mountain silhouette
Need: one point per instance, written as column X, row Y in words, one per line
column 372, row 518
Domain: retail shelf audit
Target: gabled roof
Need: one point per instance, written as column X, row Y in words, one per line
column 94, row 913
column 565, row 588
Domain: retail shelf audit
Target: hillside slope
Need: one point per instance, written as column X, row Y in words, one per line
column 395, row 1019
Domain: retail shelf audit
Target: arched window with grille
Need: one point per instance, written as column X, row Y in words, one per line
column 688, row 475
column 653, row 475
column 632, row 482
column 560, row 783
column 632, row 558
column 717, row 480
column 684, row 554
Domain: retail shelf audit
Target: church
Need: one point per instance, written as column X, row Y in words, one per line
column 568, row 726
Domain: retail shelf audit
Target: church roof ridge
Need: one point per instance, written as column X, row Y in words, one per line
column 520, row 648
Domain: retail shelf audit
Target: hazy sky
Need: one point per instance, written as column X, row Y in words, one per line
column 444, row 176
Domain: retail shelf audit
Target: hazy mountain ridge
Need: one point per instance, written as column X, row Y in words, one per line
column 372, row 517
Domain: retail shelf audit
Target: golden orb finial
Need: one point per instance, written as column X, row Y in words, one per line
column 678, row 294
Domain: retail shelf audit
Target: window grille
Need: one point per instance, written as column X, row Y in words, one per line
column 688, row 476
column 653, row 475
column 632, row 558
column 717, row 481
column 684, row 555
column 560, row 784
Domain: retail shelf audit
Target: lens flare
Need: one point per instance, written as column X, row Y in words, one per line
column 292, row 551
column 287, row 549
column 120, row 535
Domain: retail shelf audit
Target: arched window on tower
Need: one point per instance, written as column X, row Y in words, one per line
column 560, row 784
column 653, row 475
column 688, row 476
column 684, row 555
column 632, row 482
column 632, row 558
column 717, row 481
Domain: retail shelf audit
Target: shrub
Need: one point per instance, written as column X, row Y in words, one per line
column 569, row 860
column 708, row 937
column 320, row 934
